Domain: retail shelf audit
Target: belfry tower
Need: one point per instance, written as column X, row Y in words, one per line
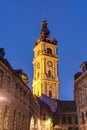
column 45, row 62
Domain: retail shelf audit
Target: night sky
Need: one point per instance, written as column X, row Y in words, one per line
column 20, row 23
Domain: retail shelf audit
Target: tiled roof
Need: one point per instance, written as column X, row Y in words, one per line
column 6, row 63
column 67, row 106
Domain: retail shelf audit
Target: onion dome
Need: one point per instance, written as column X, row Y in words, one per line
column 45, row 34
column 44, row 30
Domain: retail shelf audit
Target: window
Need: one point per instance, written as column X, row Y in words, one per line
column 44, row 117
column 86, row 114
column 83, row 121
column 17, row 92
column 45, row 89
column 77, row 128
column 19, row 121
column 49, row 51
column 38, row 65
column 23, row 121
column 38, row 75
column 6, row 116
column 69, row 120
column 32, row 123
column 70, row 128
column 76, row 120
column 50, row 93
column 1, row 77
column 64, row 120
column 49, row 73
column 8, row 80
column 86, row 66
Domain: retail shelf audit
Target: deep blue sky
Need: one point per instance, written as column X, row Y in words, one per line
column 20, row 22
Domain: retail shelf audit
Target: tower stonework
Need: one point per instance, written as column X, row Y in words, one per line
column 45, row 62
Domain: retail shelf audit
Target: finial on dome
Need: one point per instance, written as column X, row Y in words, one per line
column 44, row 23
column 44, row 30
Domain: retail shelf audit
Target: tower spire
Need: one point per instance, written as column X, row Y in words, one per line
column 45, row 35
column 44, row 32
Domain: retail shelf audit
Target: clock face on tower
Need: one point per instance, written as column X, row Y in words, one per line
column 49, row 63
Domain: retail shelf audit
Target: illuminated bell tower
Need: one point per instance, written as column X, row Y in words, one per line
column 45, row 62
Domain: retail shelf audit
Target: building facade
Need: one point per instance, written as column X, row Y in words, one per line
column 19, row 109
column 80, row 94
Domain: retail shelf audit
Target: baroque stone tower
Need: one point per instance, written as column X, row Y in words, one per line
column 45, row 62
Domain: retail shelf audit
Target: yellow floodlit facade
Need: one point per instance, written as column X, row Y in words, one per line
column 45, row 62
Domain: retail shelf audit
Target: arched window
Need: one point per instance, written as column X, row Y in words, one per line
column 38, row 75
column 38, row 65
column 49, row 73
column 50, row 93
column 49, row 51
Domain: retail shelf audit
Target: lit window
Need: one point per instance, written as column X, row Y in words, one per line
column 32, row 123
column 6, row 116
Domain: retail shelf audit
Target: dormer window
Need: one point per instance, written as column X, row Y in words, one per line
column 49, row 51
column 84, row 66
